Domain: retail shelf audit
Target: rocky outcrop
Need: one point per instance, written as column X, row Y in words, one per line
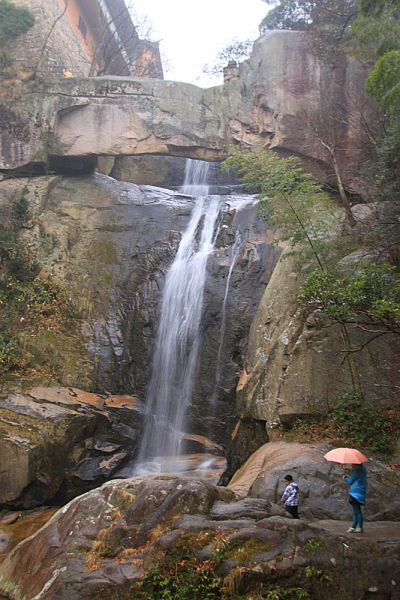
column 323, row 494
column 129, row 537
column 282, row 95
column 61, row 442
column 295, row 362
column 111, row 243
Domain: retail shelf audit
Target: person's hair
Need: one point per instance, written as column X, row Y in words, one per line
column 288, row 478
column 359, row 467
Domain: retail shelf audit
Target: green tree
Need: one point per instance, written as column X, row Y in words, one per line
column 384, row 81
column 376, row 37
column 327, row 22
column 14, row 21
column 376, row 7
column 369, row 301
column 302, row 214
column 292, row 200
column 289, row 14
column 235, row 51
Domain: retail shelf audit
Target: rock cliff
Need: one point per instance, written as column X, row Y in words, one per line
column 295, row 366
column 89, row 154
column 112, row 245
column 113, row 236
column 280, row 98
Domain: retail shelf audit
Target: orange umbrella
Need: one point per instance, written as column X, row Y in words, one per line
column 346, row 456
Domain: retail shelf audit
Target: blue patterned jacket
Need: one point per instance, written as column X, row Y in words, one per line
column 291, row 494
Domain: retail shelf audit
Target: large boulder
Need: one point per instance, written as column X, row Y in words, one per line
column 62, row 441
column 146, row 536
column 323, row 493
column 296, row 361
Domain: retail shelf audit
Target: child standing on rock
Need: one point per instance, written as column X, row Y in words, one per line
column 290, row 497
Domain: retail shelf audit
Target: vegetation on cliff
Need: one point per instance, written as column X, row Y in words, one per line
column 36, row 315
column 353, row 421
column 14, row 21
column 370, row 31
column 369, row 300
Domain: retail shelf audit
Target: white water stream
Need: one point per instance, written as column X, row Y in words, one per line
column 178, row 336
column 235, row 251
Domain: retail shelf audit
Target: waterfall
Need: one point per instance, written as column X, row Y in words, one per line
column 178, row 336
column 235, row 250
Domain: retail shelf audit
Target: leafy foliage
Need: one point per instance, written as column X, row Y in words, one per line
column 388, row 165
column 186, row 580
column 292, row 201
column 235, row 51
column 355, row 423
column 314, row 545
column 373, row 36
column 384, row 81
column 369, row 300
column 289, row 593
column 14, row 20
column 180, row 574
column 327, row 22
column 31, row 304
column 363, row 425
column 376, row 7
column 289, row 14
column 15, row 259
column 376, row 36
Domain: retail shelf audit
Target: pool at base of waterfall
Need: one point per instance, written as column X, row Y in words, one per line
column 198, row 466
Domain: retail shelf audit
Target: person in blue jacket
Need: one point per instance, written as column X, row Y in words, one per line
column 358, row 488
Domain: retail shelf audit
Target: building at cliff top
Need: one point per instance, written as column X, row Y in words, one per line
column 85, row 38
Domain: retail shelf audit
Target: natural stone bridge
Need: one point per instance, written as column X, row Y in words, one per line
column 66, row 124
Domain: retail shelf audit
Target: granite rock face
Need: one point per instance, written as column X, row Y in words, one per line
column 61, row 442
column 280, row 98
column 295, row 364
column 103, row 543
column 113, row 243
column 323, row 494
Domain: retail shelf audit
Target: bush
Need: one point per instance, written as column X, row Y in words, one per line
column 31, row 304
column 363, row 425
column 355, row 422
column 369, row 297
column 14, row 21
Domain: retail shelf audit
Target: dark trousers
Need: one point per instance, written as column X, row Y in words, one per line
column 293, row 510
column 358, row 516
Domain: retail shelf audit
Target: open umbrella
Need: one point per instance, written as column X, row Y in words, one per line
column 346, row 456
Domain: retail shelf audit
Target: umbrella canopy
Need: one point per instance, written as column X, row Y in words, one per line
column 346, row 456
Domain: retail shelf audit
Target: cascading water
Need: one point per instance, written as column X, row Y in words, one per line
column 178, row 336
column 234, row 255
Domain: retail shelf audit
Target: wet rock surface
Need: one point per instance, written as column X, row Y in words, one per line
column 113, row 244
column 17, row 526
column 59, row 442
column 102, row 544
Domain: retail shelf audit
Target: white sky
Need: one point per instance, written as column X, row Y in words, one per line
column 192, row 32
